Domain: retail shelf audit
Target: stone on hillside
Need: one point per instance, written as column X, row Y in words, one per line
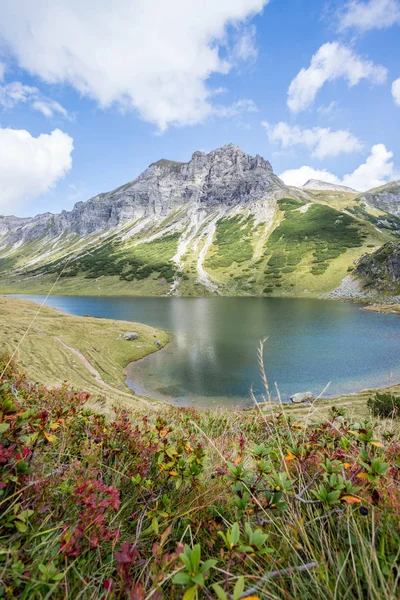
column 302, row 397
column 131, row 335
column 158, row 343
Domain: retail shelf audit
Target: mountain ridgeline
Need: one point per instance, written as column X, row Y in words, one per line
column 222, row 223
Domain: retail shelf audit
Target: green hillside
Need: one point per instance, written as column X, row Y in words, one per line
column 305, row 248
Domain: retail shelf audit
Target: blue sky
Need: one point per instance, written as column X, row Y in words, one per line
column 314, row 87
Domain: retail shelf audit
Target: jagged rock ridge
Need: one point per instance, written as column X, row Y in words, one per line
column 223, row 178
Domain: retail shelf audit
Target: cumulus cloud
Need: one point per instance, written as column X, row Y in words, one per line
column 298, row 177
column 30, row 166
column 322, row 142
column 15, row 92
column 332, row 61
column 377, row 170
column 374, row 14
column 396, row 91
column 149, row 55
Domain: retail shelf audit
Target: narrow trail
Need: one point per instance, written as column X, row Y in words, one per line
column 97, row 375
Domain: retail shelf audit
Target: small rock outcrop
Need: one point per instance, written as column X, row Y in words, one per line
column 131, row 335
column 386, row 197
column 302, row 397
column 380, row 270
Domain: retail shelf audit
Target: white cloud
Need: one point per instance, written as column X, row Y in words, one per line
column 14, row 92
column 150, row 55
column 396, row 91
column 322, row 142
column 30, row 166
column 236, row 109
column 298, row 177
column 377, row 170
column 332, row 61
column 50, row 107
column 374, row 14
column 244, row 48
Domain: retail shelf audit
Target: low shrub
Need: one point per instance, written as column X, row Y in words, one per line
column 384, row 405
column 180, row 503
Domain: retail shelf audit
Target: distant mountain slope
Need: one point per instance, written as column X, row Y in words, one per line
column 386, row 197
column 315, row 184
column 223, row 223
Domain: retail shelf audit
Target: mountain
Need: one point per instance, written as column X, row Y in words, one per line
column 380, row 270
column 223, row 178
column 316, row 184
column 222, row 223
column 386, row 197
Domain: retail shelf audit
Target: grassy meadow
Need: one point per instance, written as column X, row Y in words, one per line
column 44, row 345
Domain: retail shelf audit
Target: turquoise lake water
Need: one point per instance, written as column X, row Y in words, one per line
column 212, row 356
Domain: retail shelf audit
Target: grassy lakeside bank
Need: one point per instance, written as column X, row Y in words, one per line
column 354, row 404
column 89, row 353
column 393, row 309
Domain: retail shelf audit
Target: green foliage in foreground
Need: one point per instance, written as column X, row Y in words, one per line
column 384, row 405
column 191, row 504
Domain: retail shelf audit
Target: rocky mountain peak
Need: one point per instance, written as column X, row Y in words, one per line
column 220, row 179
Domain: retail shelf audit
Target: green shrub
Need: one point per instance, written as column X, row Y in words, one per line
column 384, row 405
column 232, row 242
column 322, row 231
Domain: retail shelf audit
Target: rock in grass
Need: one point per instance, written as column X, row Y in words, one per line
column 131, row 335
column 302, row 397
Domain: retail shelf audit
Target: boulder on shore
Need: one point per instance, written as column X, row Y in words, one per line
column 302, row 397
column 131, row 335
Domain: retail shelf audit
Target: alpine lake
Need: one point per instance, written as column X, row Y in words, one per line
column 211, row 359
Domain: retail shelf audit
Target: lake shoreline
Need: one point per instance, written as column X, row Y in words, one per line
column 335, row 295
column 215, row 401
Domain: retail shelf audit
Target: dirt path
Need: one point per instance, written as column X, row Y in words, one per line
column 96, row 374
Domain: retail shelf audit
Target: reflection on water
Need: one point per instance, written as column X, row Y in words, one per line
column 212, row 356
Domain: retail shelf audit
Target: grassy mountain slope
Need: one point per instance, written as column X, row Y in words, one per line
column 304, row 247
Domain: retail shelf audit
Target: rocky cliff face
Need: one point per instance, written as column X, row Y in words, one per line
column 385, row 198
column 381, row 269
column 223, row 178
